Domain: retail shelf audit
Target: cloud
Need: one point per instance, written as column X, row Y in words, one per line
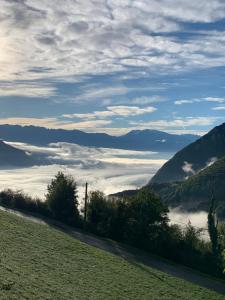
column 219, row 108
column 215, row 99
column 147, row 100
column 100, row 92
column 210, row 162
column 46, row 122
column 180, row 102
column 54, row 123
column 120, row 110
column 131, row 110
column 207, row 99
column 27, row 89
column 109, row 170
column 188, row 168
column 198, row 220
column 96, row 114
column 75, row 39
column 175, row 123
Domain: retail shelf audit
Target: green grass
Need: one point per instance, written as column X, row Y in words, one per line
column 39, row 262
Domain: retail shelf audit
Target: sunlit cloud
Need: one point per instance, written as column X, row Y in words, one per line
column 120, row 110
column 46, row 39
column 54, row 123
column 176, row 123
column 180, row 102
column 27, row 90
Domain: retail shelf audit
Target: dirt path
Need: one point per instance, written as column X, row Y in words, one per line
column 131, row 254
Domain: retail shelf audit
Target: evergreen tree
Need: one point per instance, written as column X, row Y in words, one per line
column 62, row 198
column 214, row 236
column 212, row 227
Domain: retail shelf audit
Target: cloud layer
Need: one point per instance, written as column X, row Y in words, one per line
column 45, row 39
column 109, row 170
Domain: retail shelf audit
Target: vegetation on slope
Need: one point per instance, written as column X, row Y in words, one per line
column 39, row 263
column 195, row 192
column 140, row 220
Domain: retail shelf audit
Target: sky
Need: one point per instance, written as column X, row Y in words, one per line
column 113, row 65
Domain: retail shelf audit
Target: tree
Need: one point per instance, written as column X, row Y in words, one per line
column 62, row 198
column 100, row 212
column 212, row 227
column 214, row 236
column 146, row 219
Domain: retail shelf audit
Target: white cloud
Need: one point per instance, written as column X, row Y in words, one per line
column 27, row 89
column 46, row 122
column 96, row 114
column 175, row 123
column 215, row 99
column 207, row 99
column 131, row 110
column 188, row 168
column 73, row 39
column 198, row 220
column 219, row 108
column 119, row 110
column 147, row 100
column 109, row 170
column 99, row 92
column 55, row 123
column 180, row 102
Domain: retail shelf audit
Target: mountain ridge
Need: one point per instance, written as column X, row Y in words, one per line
column 193, row 157
column 14, row 157
column 147, row 140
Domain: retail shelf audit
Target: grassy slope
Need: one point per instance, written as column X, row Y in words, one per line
column 39, row 262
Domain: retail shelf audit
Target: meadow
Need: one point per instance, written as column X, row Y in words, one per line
column 40, row 262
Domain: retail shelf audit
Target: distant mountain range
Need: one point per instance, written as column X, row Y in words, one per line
column 13, row 157
column 194, row 157
column 144, row 140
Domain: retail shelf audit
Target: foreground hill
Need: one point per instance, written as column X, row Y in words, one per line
column 193, row 157
column 39, row 262
column 13, row 157
column 151, row 140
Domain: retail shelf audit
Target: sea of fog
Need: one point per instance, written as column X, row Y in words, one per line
column 108, row 170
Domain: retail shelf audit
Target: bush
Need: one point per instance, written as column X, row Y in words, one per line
column 21, row 201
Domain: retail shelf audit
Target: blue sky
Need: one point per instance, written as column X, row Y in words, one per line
column 113, row 66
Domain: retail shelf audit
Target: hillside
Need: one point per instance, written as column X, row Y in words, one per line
column 13, row 157
column 39, row 262
column 146, row 140
column 195, row 193
column 193, row 157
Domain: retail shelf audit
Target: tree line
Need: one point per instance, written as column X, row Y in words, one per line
column 140, row 220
